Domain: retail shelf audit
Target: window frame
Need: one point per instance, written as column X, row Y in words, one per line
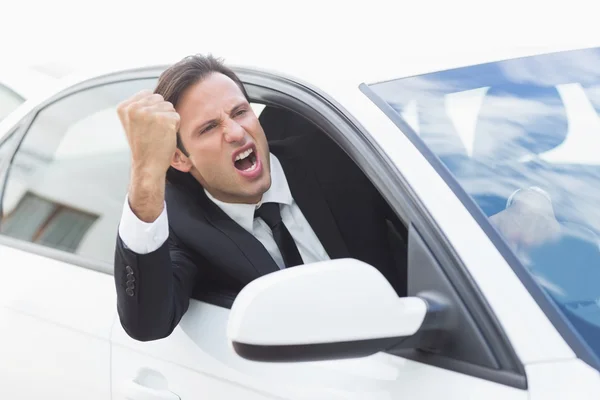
column 17, row 136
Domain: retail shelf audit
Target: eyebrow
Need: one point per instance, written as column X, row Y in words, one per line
column 237, row 107
column 201, row 127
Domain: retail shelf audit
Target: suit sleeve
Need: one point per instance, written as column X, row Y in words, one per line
column 153, row 289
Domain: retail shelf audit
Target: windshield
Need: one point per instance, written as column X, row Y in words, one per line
column 522, row 139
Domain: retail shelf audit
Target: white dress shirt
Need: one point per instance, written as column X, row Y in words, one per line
column 144, row 238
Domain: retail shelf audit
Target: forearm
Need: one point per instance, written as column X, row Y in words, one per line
column 147, row 193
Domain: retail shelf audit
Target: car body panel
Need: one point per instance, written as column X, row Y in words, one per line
column 571, row 379
column 199, row 345
column 56, row 320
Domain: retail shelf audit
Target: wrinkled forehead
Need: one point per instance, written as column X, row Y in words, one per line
column 208, row 99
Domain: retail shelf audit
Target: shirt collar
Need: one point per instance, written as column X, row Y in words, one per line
column 279, row 192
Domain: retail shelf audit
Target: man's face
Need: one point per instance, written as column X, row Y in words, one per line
column 228, row 150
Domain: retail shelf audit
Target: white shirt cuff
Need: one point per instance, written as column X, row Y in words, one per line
column 143, row 237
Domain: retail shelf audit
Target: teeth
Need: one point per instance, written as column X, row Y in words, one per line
column 243, row 155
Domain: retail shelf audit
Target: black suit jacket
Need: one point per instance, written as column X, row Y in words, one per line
column 209, row 256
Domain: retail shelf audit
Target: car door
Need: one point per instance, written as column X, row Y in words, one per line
column 196, row 360
column 57, row 301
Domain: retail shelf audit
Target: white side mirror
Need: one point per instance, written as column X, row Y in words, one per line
column 328, row 310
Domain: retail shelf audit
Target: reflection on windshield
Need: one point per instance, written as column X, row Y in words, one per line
column 522, row 138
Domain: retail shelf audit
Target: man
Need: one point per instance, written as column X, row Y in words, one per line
column 212, row 206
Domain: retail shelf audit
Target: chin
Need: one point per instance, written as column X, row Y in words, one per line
column 263, row 186
column 260, row 187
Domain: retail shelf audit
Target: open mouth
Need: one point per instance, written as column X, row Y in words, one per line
column 246, row 160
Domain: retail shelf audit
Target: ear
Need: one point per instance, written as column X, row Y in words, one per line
column 181, row 162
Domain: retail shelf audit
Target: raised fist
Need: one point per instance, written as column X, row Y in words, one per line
column 151, row 126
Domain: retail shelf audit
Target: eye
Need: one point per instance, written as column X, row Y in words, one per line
column 240, row 112
column 208, row 128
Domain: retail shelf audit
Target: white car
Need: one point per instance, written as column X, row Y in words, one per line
column 482, row 319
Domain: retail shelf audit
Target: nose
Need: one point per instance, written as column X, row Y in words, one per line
column 234, row 132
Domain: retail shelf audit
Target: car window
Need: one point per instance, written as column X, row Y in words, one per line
column 521, row 138
column 9, row 100
column 68, row 180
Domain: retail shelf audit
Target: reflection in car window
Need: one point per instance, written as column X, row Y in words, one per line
column 522, row 138
column 9, row 100
column 68, row 180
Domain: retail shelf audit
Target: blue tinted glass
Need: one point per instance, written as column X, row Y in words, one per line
column 522, row 138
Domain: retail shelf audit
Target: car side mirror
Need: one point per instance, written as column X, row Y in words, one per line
column 328, row 310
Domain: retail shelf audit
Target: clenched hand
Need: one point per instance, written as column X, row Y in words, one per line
column 151, row 126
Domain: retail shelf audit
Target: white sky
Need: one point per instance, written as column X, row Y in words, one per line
column 83, row 33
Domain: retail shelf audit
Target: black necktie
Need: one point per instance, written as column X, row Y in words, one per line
column 269, row 212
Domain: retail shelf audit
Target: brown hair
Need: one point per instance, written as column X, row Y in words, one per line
column 176, row 79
